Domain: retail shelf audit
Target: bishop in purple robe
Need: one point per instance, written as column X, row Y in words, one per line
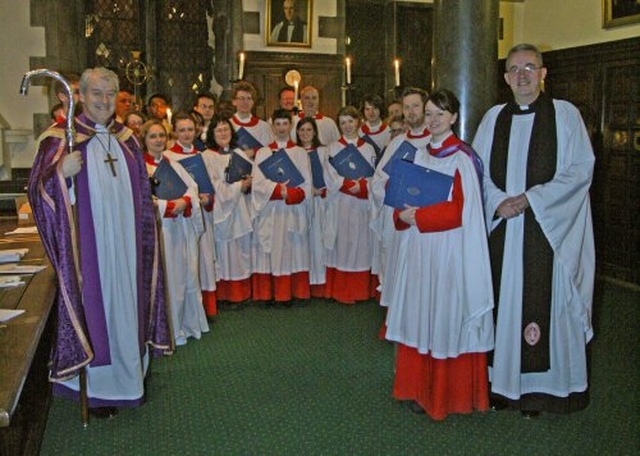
column 95, row 215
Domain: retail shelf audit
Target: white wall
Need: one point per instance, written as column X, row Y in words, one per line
column 553, row 24
column 19, row 41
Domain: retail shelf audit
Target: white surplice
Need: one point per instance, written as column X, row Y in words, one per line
column 180, row 237
column 438, row 284
column 232, row 218
column 281, row 231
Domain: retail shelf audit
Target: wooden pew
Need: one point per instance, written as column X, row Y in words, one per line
column 25, row 342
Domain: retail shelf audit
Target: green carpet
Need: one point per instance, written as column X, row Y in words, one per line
column 316, row 380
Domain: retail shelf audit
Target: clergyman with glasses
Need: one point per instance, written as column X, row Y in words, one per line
column 538, row 167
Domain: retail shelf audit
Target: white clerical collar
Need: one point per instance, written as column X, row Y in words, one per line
column 101, row 128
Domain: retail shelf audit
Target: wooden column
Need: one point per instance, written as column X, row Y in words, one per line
column 465, row 57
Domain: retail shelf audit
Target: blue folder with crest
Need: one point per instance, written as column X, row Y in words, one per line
column 279, row 168
column 350, row 163
column 405, row 151
column 317, row 173
column 246, row 140
column 417, row 186
column 194, row 164
column 238, row 168
column 166, row 184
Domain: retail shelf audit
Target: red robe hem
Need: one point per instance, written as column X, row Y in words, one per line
column 267, row 287
column 442, row 386
column 348, row 287
column 234, row 290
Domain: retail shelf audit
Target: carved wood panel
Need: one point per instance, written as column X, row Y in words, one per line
column 266, row 71
column 603, row 81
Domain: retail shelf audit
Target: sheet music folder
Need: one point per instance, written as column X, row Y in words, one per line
column 166, row 183
column 239, row 167
column 350, row 163
column 405, row 151
column 246, row 140
column 417, row 186
column 317, row 173
column 194, row 164
column 279, row 168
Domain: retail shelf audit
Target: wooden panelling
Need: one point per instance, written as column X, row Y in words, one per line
column 603, row 81
column 267, row 70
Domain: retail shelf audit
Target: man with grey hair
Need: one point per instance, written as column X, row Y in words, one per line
column 538, row 166
column 95, row 216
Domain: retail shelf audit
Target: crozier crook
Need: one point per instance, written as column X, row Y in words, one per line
column 24, row 88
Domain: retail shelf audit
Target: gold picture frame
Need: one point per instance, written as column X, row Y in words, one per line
column 298, row 31
column 620, row 12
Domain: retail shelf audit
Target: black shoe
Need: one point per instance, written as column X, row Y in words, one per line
column 103, row 412
column 496, row 404
column 287, row 304
column 415, row 407
column 530, row 414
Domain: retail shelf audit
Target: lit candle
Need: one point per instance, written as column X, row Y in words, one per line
column 169, row 116
column 348, row 63
column 241, row 66
column 396, row 64
column 295, row 93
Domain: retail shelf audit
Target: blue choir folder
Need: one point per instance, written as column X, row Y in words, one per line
column 316, row 170
column 350, row 163
column 246, row 139
column 369, row 140
column 194, row 164
column 238, row 168
column 166, row 184
column 417, row 186
column 405, row 151
column 279, row 168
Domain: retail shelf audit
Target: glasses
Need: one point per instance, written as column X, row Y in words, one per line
column 244, row 98
column 204, row 106
column 528, row 69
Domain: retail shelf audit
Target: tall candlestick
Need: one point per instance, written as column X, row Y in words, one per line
column 396, row 63
column 169, row 116
column 241, row 67
column 348, row 64
column 295, row 93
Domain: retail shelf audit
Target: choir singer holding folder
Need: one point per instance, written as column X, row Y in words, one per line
column 281, row 197
column 438, row 284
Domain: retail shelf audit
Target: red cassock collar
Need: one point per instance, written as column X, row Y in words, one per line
column 359, row 143
column 368, row 131
column 253, row 121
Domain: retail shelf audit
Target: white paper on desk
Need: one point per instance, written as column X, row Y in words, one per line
column 9, row 281
column 23, row 230
column 12, row 255
column 8, row 314
column 13, row 268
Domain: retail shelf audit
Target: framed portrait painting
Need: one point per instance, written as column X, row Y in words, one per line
column 620, row 12
column 288, row 23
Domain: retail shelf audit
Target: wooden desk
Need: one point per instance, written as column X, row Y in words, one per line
column 25, row 392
